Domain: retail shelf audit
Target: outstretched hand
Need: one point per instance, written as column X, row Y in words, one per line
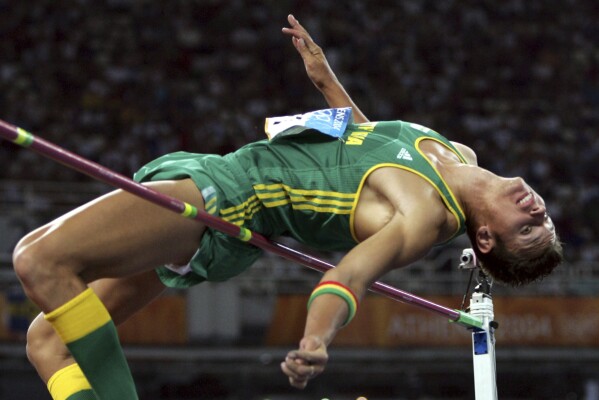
column 317, row 66
column 305, row 363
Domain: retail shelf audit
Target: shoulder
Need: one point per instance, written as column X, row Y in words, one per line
column 467, row 152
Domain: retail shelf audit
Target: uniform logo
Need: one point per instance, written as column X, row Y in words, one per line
column 404, row 155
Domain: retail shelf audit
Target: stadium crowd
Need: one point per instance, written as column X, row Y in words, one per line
column 123, row 81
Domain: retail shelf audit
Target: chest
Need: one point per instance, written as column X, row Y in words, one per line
column 393, row 192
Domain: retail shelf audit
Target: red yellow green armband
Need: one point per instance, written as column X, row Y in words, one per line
column 337, row 289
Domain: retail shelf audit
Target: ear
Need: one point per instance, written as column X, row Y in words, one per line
column 484, row 240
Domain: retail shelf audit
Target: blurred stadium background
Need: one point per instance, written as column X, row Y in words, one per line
column 123, row 81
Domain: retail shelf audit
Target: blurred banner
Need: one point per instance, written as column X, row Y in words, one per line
column 380, row 322
column 164, row 321
column 523, row 321
column 17, row 312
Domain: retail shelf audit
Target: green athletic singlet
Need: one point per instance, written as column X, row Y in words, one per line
column 305, row 186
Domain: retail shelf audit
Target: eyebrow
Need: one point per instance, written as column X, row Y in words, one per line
column 539, row 240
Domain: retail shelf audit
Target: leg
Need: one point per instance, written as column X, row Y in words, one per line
column 122, row 297
column 115, row 236
column 118, row 235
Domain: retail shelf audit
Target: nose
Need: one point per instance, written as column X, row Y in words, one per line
column 538, row 209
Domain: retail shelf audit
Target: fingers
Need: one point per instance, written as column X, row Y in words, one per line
column 294, row 23
column 301, row 39
column 300, row 371
column 296, row 30
column 296, row 379
column 292, row 20
column 299, row 44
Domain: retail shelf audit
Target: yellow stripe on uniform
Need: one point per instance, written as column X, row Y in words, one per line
column 312, row 207
column 211, row 210
column 79, row 316
column 332, row 210
column 66, row 382
column 272, row 204
column 245, row 209
column 278, row 194
column 332, row 202
column 275, row 195
column 239, row 218
column 248, row 203
column 239, row 213
column 210, row 203
column 308, row 192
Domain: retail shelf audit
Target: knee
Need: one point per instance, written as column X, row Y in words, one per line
column 44, row 347
column 33, row 266
column 24, row 261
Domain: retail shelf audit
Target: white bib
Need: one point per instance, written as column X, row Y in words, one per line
column 331, row 122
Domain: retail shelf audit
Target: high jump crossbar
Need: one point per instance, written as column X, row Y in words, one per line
column 69, row 159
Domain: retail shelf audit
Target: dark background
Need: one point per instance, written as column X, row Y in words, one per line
column 122, row 81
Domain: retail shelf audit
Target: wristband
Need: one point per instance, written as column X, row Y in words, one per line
column 337, row 289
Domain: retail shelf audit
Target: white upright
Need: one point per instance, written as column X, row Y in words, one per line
column 483, row 347
column 483, row 337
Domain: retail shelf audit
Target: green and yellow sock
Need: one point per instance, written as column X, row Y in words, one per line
column 69, row 383
column 85, row 326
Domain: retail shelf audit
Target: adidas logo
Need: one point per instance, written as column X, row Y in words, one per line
column 404, row 155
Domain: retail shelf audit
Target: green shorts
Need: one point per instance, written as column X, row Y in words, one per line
column 219, row 256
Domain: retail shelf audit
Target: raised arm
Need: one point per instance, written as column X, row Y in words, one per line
column 319, row 71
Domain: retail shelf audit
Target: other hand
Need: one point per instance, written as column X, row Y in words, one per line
column 305, row 363
column 317, row 66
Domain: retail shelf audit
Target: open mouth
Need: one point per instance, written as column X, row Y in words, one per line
column 525, row 199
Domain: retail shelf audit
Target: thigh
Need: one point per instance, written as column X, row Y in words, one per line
column 120, row 234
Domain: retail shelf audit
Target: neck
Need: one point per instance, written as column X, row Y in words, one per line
column 469, row 183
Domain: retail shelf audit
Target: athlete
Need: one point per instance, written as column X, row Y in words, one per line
column 385, row 192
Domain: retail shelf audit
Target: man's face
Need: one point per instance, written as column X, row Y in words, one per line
column 519, row 217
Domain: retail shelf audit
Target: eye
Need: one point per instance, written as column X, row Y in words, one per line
column 526, row 230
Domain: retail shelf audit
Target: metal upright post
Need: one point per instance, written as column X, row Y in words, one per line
column 483, row 338
column 483, row 347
